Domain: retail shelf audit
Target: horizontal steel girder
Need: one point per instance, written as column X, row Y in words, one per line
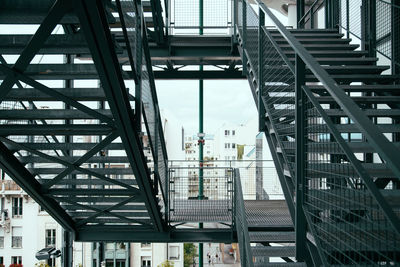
column 88, row 71
column 183, row 50
column 130, row 234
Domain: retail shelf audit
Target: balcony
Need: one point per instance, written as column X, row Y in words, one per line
column 10, row 185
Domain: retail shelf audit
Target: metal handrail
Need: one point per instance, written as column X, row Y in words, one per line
column 382, row 145
column 246, row 256
column 310, row 10
column 159, row 142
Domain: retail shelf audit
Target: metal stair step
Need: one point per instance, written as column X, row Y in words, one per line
column 334, row 148
column 329, row 53
column 350, row 198
column 392, row 88
column 343, row 128
column 323, row 47
column 307, row 31
column 280, row 264
column 278, row 251
column 282, row 40
column 315, row 171
column 329, row 100
column 272, row 237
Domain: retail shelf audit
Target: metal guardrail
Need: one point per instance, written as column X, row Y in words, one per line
column 135, row 36
column 308, row 20
column 217, row 202
column 372, row 23
column 241, row 226
column 326, row 196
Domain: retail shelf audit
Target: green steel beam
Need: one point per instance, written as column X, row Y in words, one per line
column 94, row 24
column 130, row 234
column 10, row 164
column 43, row 32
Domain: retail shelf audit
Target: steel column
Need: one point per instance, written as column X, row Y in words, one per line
column 395, row 37
column 300, row 8
column 201, row 138
column 67, row 249
column 261, row 108
column 301, row 158
column 94, row 24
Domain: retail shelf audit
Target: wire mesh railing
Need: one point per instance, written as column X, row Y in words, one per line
column 216, row 17
column 348, row 222
column 310, row 19
column 136, row 38
column 241, row 226
column 374, row 23
column 351, row 220
column 258, row 177
column 216, row 203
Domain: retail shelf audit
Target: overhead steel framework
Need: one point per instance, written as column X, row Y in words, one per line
column 81, row 131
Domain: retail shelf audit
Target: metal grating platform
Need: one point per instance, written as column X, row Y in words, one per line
column 286, row 251
column 276, row 237
column 195, row 210
column 268, row 213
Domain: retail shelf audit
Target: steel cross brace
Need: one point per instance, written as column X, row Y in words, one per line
column 94, row 24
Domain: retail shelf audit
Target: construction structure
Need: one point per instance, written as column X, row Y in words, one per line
column 327, row 92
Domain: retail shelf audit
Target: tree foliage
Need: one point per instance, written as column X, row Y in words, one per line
column 166, row 263
column 189, row 253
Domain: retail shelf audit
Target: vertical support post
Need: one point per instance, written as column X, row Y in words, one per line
column 156, row 146
column 348, row 19
column 311, row 17
column 395, row 37
column 327, row 12
column 139, row 63
column 201, row 140
column 261, row 108
column 235, row 20
column 244, row 36
column 300, row 8
column 371, row 19
column 67, row 249
column 301, row 157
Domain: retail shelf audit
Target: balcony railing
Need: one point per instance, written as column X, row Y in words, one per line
column 9, row 185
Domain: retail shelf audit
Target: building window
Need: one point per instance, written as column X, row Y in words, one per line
column 51, row 238
column 1, row 260
column 145, row 245
column 16, row 260
column 227, row 145
column 16, row 241
column 174, row 253
column 226, row 132
column 17, row 207
column 146, row 262
column 233, row 132
column 233, row 145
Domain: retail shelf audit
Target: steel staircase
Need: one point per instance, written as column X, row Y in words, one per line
column 349, row 184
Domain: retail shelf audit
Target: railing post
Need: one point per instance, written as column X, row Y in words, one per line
column 348, row 19
column 261, row 108
column 371, row 30
column 235, row 21
column 395, row 37
column 244, row 37
column 301, row 157
column 300, row 8
column 139, row 63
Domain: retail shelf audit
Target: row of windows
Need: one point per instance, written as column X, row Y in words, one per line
column 16, row 238
column 228, row 132
column 229, row 145
column 14, row 260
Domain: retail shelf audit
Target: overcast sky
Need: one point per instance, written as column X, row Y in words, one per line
column 224, row 101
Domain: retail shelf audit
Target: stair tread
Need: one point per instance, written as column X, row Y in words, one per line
column 272, row 236
column 276, row 251
column 279, row 264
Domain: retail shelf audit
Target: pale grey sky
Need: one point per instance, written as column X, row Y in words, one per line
column 224, row 101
